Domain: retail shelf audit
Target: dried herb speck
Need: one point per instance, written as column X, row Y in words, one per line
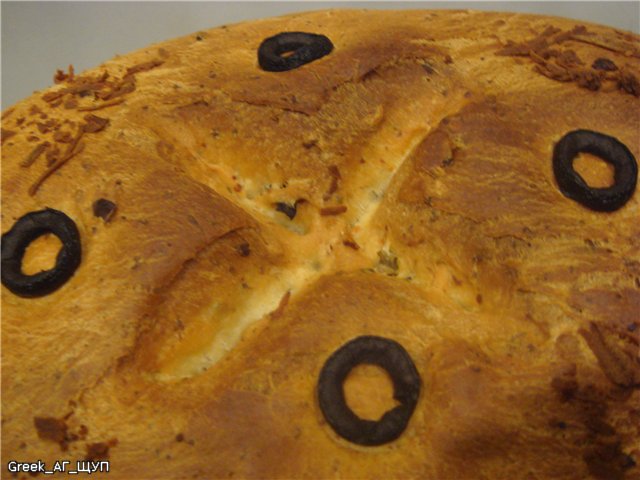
column 244, row 249
column 104, row 209
column 49, row 428
column 604, row 64
column 289, row 210
column 33, row 156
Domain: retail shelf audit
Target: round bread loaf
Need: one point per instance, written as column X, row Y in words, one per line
column 342, row 244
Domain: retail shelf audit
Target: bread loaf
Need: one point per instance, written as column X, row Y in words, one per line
column 339, row 244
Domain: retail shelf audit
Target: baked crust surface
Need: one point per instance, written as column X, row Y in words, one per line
column 417, row 159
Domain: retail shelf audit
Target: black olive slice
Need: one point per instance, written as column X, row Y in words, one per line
column 302, row 48
column 24, row 231
column 386, row 354
column 612, row 151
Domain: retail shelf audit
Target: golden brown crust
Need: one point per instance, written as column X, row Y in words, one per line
column 400, row 186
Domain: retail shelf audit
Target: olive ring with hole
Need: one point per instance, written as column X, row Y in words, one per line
column 612, row 151
column 386, row 354
column 304, row 48
column 24, row 231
